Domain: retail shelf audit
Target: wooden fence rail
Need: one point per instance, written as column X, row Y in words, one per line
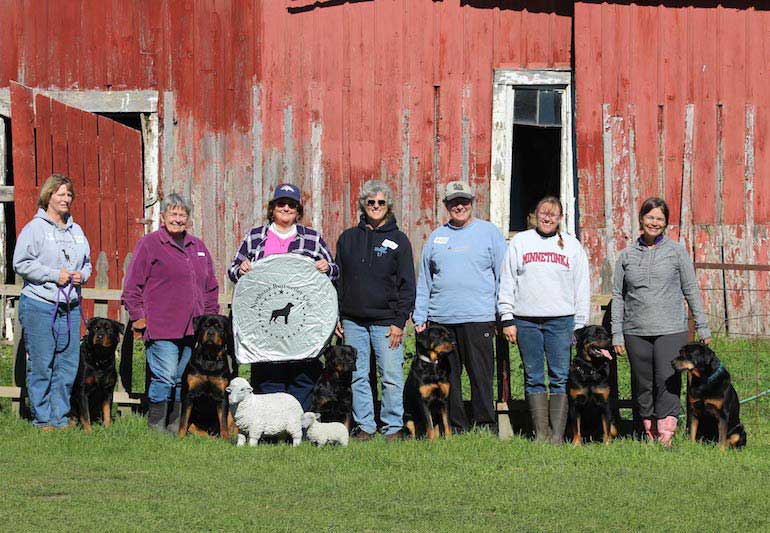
column 124, row 398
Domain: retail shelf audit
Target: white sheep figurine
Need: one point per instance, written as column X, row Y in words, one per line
column 258, row 415
column 321, row 433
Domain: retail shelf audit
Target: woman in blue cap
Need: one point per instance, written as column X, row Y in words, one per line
column 282, row 234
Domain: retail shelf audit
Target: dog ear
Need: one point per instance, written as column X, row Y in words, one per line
column 580, row 334
column 196, row 321
column 90, row 322
column 118, row 326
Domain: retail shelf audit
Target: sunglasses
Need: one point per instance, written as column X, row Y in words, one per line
column 372, row 203
column 283, row 201
column 458, row 201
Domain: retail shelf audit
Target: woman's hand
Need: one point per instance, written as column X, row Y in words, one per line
column 322, row 265
column 77, row 278
column 64, row 277
column 619, row 349
column 245, row 266
column 419, row 328
column 338, row 331
column 139, row 326
column 707, row 340
column 510, row 334
column 395, row 334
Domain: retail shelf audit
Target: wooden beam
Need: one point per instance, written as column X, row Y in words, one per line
column 117, row 398
column 108, row 295
column 140, row 101
column 6, row 193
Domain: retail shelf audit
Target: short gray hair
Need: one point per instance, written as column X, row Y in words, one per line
column 175, row 200
column 371, row 188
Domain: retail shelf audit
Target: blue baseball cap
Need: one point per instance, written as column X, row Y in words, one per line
column 287, row 190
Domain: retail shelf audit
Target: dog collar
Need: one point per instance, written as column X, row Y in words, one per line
column 427, row 360
column 718, row 372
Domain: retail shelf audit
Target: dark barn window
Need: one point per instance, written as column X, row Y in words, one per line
column 536, row 157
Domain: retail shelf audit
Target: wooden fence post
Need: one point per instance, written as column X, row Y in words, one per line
column 125, row 365
column 101, row 282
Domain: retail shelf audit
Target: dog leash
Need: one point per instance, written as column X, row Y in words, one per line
column 65, row 296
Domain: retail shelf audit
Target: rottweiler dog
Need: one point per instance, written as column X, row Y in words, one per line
column 204, row 399
column 714, row 407
column 95, row 381
column 332, row 395
column 588, row 387
column 426, row 391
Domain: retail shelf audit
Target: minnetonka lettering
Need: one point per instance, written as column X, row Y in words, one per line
column 546, row 257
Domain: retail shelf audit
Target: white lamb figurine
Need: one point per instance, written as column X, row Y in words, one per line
column 321, row 433
column 258, row 415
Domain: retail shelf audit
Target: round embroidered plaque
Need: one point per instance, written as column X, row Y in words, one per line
column 283, row 310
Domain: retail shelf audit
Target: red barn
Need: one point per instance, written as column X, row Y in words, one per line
column 603, row 103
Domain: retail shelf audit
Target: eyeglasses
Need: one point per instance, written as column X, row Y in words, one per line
column 372, row 203
column 548, row 215
column 292, row 204
column 458, row 201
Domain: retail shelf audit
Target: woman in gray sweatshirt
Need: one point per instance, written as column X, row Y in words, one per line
column 53, row 258
column 653, row 277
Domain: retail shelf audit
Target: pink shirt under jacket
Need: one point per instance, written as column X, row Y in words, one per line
column 169, row 285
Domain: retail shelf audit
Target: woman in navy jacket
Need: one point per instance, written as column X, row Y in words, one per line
column 376, row 293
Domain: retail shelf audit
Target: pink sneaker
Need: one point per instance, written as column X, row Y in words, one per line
column 667, row 429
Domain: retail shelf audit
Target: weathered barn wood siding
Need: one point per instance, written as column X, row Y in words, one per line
column 326, row 94
column 673, row 101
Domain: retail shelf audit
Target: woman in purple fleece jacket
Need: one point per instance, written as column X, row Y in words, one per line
column 169, row 282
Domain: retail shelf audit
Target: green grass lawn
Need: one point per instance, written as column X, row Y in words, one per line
column 127, row 478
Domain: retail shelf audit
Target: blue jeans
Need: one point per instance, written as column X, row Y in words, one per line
column 292, row 377
column 167, row 360
column 552, row 336
column 390, row 363
column 53, row 356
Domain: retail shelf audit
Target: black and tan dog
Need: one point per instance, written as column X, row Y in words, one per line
column 95, row 381
column 588, row 387
column 204, row 401
column 426, row 391
column 714, row 407
column 332, row 395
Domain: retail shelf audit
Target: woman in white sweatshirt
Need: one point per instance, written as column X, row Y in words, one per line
column 544, row 297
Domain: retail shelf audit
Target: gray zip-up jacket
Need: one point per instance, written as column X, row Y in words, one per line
column 43, row 248
column 649, row 290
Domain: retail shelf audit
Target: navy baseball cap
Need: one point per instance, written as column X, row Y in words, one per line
column 287, row 190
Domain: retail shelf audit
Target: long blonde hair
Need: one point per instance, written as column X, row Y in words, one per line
column 552, row 200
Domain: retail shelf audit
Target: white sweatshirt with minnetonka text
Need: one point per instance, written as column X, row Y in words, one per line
column 541, row 279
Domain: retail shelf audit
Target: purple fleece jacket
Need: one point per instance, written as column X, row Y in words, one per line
column 169, row 285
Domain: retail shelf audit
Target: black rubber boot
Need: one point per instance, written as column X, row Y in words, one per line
column 156, row 416
column 173, row 418
column 558, row 411
column 538, row 410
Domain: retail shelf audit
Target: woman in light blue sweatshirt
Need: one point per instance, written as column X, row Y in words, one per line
column 53, row 258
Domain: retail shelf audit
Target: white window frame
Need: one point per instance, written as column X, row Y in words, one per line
column 505, row 82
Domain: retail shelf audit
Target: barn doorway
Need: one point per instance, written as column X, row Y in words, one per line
column 531, row 146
